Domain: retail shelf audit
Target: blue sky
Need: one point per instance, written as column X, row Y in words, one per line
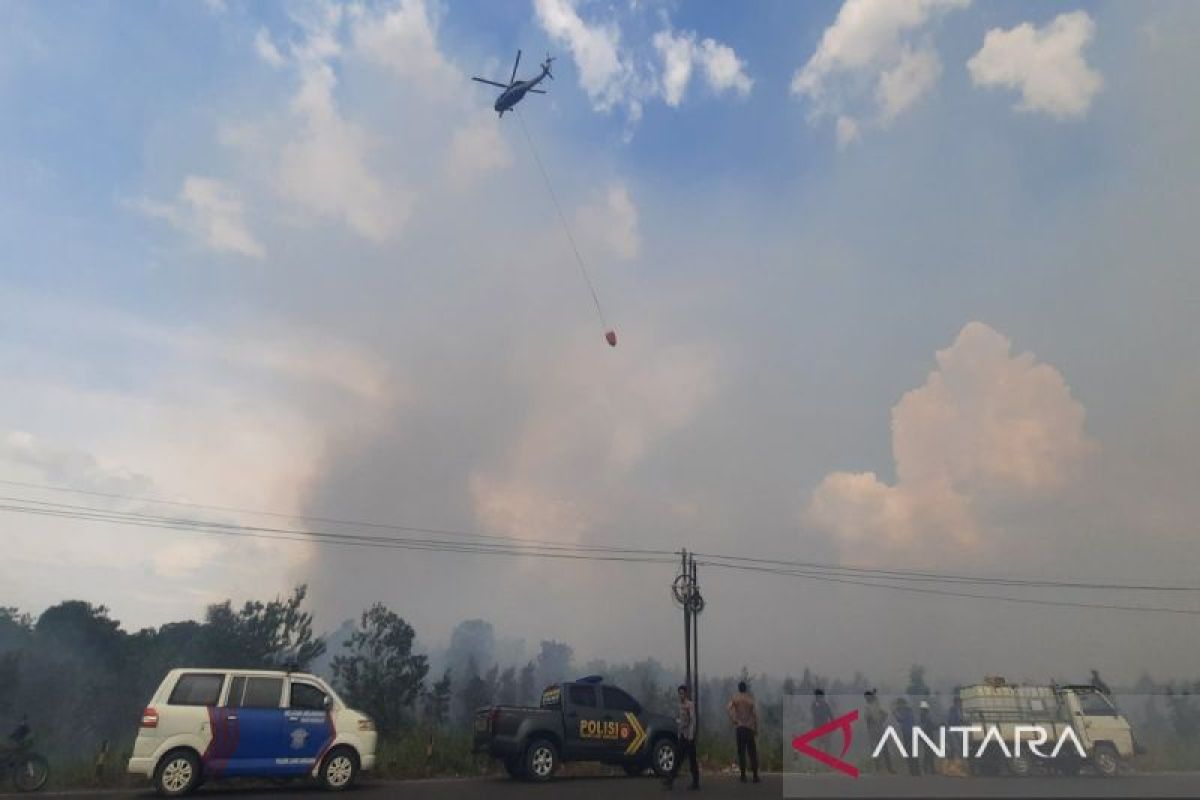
column 903, row 283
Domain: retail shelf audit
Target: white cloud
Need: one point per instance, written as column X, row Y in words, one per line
column 876, row 50
column 1046, row 64
column 582, row 437
column 72, row 467
column 723, row 69
column 325, row 169
column 614, row 72
column 677, row 53
column 212, row 212
column 987, row 428
column 603, row 74
column 267, row 50
column 611, row 223
column 680, row 54
column 476, row 148
column 900, row 87
column 847, row 131
column 403, row 38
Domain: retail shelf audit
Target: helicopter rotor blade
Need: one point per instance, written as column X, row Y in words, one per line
column 515, row 65
column 490, row 83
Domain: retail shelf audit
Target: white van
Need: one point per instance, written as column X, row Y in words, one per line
column 205, row 724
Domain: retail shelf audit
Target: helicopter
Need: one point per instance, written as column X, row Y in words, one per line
column 515, row 90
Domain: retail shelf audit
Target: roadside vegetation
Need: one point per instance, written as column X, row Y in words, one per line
column 83, row 680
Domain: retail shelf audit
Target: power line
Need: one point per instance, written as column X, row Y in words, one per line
column 326, row 538
column 517, row 547
column 945, row 577
column 562, row 218
column 950, row 593
column 913, row 576
column 374, row 525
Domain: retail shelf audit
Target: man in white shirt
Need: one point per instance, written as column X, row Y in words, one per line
column 686, row 722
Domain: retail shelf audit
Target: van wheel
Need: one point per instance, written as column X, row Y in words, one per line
column 1105, row 760
column 339, row 770
column 177, row 773
column 663, row 758
column 541, row 759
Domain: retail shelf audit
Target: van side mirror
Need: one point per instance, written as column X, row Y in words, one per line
column 328, row 702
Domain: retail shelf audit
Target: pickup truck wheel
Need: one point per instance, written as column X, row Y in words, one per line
column 514, row 768
column 633, row 770
column 1105, row 760
column 541, row 759
column 663, row 758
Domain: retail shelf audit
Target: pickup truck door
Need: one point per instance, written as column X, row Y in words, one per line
column 583, row 726
column 625, row 712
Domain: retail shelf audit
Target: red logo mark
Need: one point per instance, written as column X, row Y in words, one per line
column 842, row 723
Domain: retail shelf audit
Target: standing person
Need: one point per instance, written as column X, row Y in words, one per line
column 905, row 723
column 21, row 732
column 954, row 719
column 743, row 713
column 685, row 721
column 822, row 714
column 1098, row 683
column 925, row 721
column 877, row 717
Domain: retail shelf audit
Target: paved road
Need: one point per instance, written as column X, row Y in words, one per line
column 1180, row 785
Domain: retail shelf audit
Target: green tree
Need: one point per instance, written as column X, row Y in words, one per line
column 379, row 673
column 554, row 662
column 916, row 682
column 506, row 687
column 476, row 693
column 261, row 635
column 527, row 688
column 437, row 701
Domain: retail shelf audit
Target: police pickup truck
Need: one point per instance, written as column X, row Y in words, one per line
column 584, row 720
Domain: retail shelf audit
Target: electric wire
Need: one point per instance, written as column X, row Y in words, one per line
column 562, row 218
column 323, row 520
column 918, row 576
column 952, row 593
column 325, row 538
column 893, row 580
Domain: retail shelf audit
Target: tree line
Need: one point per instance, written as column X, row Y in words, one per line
column 83, row 680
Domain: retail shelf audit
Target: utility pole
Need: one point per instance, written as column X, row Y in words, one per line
column 686, row 592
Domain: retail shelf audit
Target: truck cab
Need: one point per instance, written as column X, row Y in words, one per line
column 1080, row 720
column 584, row 720
column 1103, row 730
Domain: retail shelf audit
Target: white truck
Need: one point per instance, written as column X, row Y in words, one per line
column 1068, row 726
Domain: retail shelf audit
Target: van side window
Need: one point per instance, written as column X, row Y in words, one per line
column 259, row 693
column 306, row 697
column 583, row 696
column 237, row 687
column 196, row 690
